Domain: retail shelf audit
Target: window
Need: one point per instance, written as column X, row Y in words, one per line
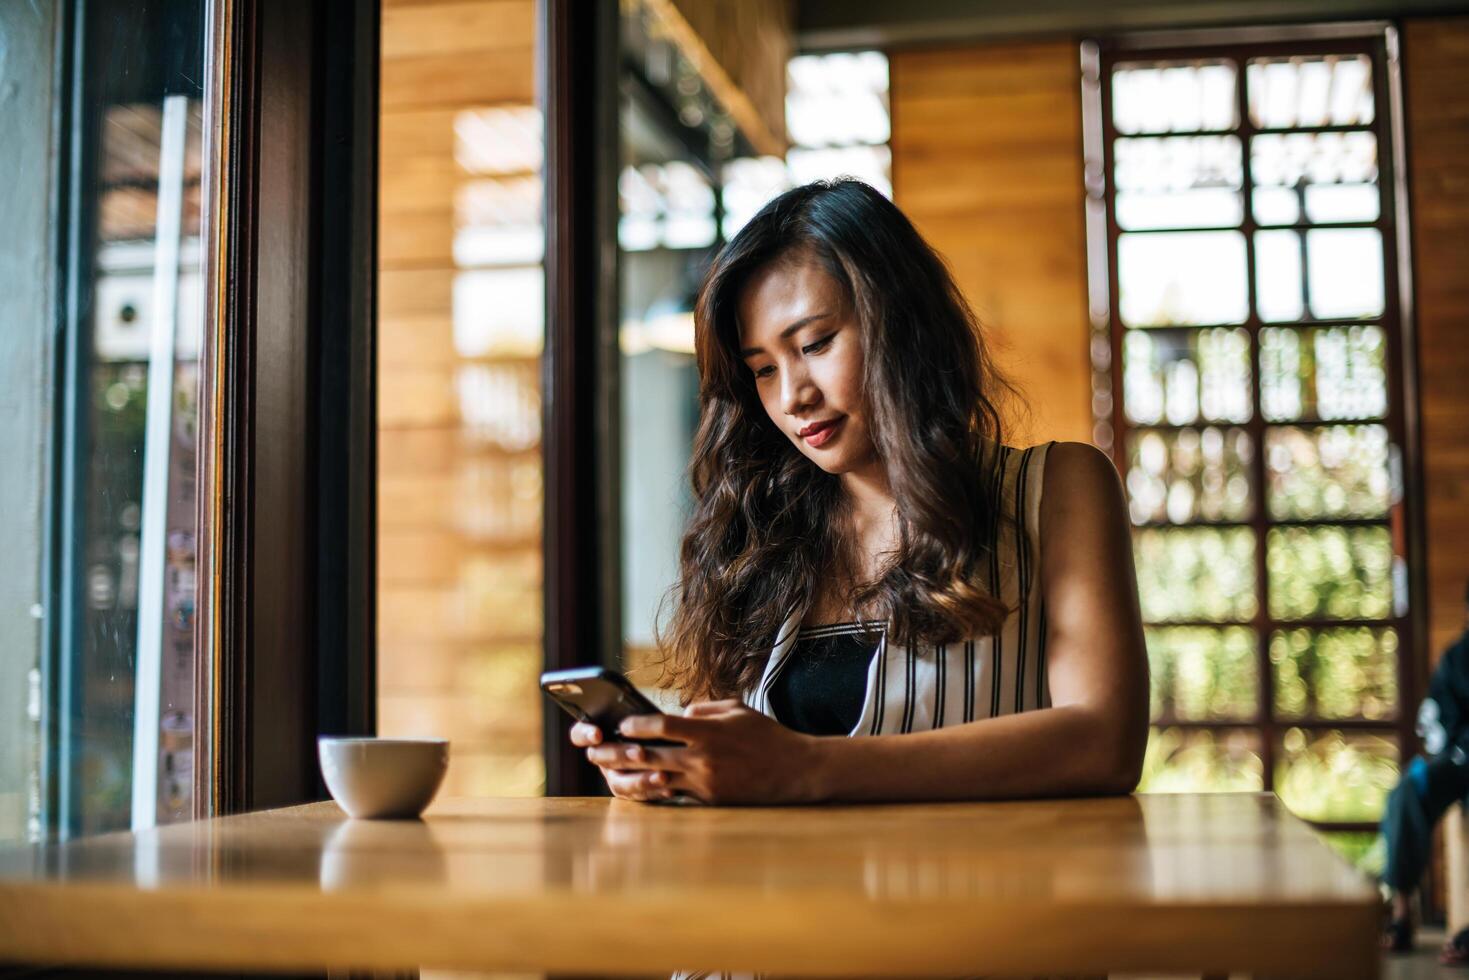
column 97, row 507
column 1248, row 380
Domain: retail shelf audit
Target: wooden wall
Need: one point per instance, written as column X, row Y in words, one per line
column 459, row 562
column 1436, row 92
column 987, row 162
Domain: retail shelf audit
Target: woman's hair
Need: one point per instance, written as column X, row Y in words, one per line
column 768, row 525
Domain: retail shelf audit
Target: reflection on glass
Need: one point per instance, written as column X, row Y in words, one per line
column 1182, row 377
column 1326, row 373
column 1178, row 182
column 749, row 183
column 1323, row 90
column 1340, row 776
column 669, row 204
column 1189, row 475
column 1342, row 672
column 1203, row 674
column 1325, row 176
column 1191, row 277
column 1330, row 471
column 1330, row 572
column 1179, row 761
column 1196, row 573
column 1161, row 98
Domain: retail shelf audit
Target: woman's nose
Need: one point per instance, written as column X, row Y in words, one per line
column 797, row 392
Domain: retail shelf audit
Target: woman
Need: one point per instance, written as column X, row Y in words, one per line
column 866, row 558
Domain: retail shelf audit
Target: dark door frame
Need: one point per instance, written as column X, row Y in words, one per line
column 287, row 488
column 577, row 73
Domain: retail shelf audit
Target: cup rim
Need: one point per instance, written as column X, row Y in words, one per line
column 373, row 739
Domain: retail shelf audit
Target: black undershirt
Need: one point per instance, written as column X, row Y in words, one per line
column 823, row 683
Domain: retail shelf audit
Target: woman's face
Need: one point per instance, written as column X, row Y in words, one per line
column 800, row 339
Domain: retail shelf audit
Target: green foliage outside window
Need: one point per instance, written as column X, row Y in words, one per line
column 1347, row 672
column 1196, row 573
column 1330, row 572
column 1203, row 674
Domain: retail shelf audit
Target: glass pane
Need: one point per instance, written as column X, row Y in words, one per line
column 1180, row 761
column 837, row 99
column 461, row 326
column 1323, row 372
column 749, row 183
column 1330, row 572
column 1279, row 290
column 1181, row 377
column 100, row 429
column 1329, row 471
column 873, row 164
column 1365, row 850
column 1189, row 475
column 1178, row 182
column 1344, row 268
column 1196, row 573
column 1329, row 90
column 668, row 204
column 1190, row 277
column 1174, row 98
column 1338, row 776
column 1344, row 274
column 1201, row 674
column 1325, row 176
column 1344, row 672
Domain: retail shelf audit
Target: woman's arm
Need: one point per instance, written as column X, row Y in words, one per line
column 1090, row 741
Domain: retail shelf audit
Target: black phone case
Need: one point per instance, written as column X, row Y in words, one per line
column 605, row 698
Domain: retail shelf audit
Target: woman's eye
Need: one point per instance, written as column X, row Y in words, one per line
column 816, row 347
column 764, row 372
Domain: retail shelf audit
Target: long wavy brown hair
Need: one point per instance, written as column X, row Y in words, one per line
column 769, row 527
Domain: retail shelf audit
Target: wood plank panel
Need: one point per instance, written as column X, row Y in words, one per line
column 987, row 162
column 459, row 577
column 454, row 28
column 1436, row 69
column 459, row 79
column 416, row 340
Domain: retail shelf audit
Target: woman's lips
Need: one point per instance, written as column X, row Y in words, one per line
column 819, row 434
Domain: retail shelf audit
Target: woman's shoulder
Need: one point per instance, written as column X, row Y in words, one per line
column 1079, row 476
column 1062, row 469
column 1079, row 462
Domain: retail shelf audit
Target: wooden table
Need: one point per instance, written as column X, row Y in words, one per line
column 1212, row 883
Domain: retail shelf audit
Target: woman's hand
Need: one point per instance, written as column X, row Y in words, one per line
column 729, row 754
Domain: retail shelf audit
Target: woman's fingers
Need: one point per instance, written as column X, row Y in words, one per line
column 584, row 735
column 638, row 785
column 630, row 756
column 702, row 708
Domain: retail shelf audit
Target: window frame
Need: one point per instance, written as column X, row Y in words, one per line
column 1377, row 40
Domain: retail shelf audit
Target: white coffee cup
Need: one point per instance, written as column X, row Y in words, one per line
column 382, row 778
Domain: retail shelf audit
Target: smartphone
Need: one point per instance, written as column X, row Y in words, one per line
column 600, row 697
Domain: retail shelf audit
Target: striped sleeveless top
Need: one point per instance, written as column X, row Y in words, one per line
column 919, row 687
